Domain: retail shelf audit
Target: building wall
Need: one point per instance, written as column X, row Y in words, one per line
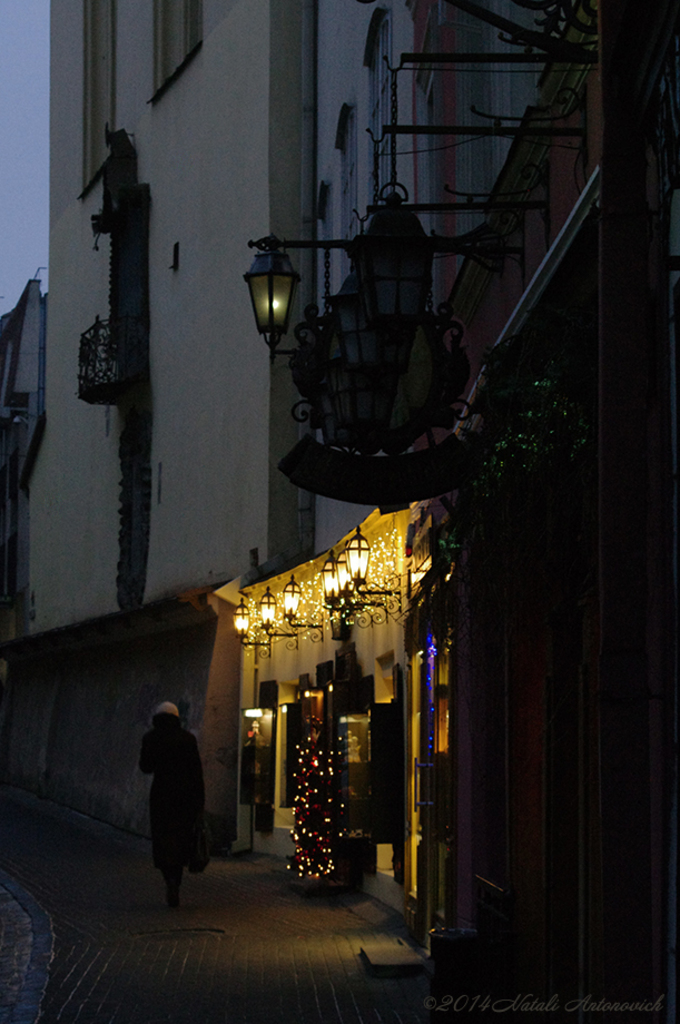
column 74, row 720
column 210, row 148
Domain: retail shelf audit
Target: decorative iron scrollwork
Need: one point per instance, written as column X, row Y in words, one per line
column 557, row 15
column 113, row 354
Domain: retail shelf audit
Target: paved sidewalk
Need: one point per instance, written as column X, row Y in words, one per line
column 25, row 953
column 245, row 947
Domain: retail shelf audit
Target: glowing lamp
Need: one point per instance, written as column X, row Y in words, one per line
column 344, row 576
column 329, row 574
column 268, row 608
column 358, row 553
column 291, row 598
column 272, row 282
column 241, row 618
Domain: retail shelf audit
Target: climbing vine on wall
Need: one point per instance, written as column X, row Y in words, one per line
column 524, row 514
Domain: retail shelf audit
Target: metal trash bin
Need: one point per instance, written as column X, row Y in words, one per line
column 456, row 980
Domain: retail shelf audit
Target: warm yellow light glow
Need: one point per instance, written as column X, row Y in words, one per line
column 358, row 553
column 291, row 598
column 343, row 572
column 268, row 608
column 253, row 712
column 241, row 618
column 330, row 577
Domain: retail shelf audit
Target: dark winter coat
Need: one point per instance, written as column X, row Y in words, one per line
column 177, row 793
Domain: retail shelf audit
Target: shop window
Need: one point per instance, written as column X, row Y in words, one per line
column 354, row 737
column 99, row 85
column 178, row 29
column 291, row 737
column 258, row 746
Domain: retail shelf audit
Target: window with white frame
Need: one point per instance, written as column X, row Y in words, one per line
column 178, row 29
column 99, row 86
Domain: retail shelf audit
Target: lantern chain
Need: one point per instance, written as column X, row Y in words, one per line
column 326, row 281
column 395, row 120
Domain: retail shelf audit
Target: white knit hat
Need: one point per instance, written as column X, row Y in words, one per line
column 166, row 708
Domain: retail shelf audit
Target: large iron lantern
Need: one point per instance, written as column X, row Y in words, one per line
column 393, row 263
column 359, row 343
column 272, row 282
column 360, row 404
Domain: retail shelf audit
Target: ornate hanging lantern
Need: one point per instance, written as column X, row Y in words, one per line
column 358, row 553
column 272, row 282
column 291, row 598
column 268, row 608
column 393, row 262
column 241, row 618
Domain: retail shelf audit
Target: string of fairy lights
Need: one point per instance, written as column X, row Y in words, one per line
column 312, row 810
column 313, row 614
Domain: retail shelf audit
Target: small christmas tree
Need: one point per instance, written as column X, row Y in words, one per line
column 313, row 831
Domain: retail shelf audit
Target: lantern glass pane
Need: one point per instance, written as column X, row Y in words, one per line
column 358, row 553
column 241, row 618
column 291, row 598
column 343, row 571
column 360, row 346
column 268, row 608
column 330, row 578
column 272, row 296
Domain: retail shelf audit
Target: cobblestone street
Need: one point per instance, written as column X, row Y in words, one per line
column 245, row 945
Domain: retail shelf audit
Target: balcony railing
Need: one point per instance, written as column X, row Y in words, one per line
column 113, row 355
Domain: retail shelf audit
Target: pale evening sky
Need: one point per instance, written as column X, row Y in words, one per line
column 24, row 145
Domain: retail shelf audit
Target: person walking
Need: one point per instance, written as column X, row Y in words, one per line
column 177, row 795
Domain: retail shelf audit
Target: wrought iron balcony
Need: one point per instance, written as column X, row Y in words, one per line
column 113, row 355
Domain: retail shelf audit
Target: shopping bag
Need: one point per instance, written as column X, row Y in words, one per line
column 199, row 857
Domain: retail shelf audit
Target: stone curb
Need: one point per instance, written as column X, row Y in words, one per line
column 26, row 1009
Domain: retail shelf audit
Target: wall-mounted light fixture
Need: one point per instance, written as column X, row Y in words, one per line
column 355, row 583
column 268, row 626
column 347, row 596
column 378, row 367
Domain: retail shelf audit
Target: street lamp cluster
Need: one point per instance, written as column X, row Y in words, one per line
column 378, row 368
column 346, row 597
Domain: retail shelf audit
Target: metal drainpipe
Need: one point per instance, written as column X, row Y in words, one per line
column 672, row 820
column 308, row 290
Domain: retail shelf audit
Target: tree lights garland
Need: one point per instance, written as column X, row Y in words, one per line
column 313, row 812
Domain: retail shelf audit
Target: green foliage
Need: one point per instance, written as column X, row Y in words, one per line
column 537, row 408
column 522, row 525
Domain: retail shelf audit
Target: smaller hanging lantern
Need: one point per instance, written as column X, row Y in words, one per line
column 358, row 553
column 291, row 598
column 272, row 282
column 329, row 574
column 241, row 618
column 268, row 608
